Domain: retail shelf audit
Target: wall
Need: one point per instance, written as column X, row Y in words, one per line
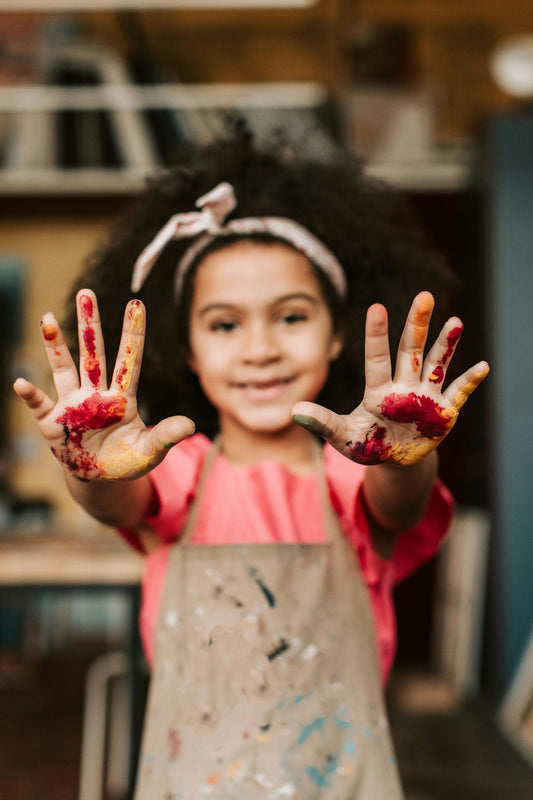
column 451, row 42
column 510, row 238
column 53, row 248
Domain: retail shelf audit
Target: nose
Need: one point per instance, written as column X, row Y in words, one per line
column 261, row 344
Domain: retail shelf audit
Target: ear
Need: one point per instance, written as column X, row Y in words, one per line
column 336, row 345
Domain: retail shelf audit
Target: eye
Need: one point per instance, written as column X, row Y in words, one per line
column 293, row 318
column 223, row 326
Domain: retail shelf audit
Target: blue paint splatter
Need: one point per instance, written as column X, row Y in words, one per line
column 344, row 723
column 320, row 779
column 350, row 748
column 271, row 600
column 316, row 725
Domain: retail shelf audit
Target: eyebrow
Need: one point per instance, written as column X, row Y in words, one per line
column 286, row 298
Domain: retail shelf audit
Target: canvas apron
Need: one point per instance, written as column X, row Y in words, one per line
column 266, row 681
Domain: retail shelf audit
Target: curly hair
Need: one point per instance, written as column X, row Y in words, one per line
column 367, row 225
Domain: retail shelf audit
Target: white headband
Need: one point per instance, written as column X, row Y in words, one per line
column 215, row 207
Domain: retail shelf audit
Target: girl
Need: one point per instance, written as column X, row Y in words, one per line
column 267, row 612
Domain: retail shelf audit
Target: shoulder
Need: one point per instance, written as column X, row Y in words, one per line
column 175, row 481
column 188, row 454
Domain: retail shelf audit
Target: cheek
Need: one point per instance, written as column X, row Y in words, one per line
column 209, row 363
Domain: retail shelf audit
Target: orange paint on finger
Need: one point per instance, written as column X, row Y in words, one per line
column 421, row 321
column 49, row 331
column 415, row 360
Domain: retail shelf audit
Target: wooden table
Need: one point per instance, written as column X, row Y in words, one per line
column 63, row 560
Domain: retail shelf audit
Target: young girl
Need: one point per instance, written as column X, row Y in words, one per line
column 271, row 556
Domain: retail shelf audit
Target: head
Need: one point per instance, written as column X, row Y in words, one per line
column 364, row 224
column 261, row 335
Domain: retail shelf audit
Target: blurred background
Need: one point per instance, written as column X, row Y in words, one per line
column 437, row 97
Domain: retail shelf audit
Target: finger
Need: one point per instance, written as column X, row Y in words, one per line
column 437, row 359
column 59, row 357
column 460, row 390
column 128, row 363
column 39, row 403
column 378, row 369
column 322, row 421
column 92, row 352
column 413, row 339
column 167, row 433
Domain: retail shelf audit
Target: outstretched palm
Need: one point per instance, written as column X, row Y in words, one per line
column 95, row 432
column 402, row 417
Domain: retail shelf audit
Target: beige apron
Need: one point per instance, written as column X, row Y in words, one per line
column 266, row 680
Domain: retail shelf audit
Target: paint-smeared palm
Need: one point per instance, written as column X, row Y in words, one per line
column 95, row 432
column 405, row 416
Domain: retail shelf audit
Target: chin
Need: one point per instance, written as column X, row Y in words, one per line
column 269, row 422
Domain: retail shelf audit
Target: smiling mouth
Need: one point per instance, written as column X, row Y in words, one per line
column 264, row 385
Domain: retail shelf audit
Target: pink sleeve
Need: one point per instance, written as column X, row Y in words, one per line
column 421, row 542
column 414, row 546
column 175, row 481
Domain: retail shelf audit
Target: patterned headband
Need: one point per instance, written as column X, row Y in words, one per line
column 208, row 225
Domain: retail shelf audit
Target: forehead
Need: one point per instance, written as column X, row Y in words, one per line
column 247, row 269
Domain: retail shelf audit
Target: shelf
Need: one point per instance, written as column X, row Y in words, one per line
column 114, row 5
column 106, row 134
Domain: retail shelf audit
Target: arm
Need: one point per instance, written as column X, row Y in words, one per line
column 95, row 432
column 402, row 418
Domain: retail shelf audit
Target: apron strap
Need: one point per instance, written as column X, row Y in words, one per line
column 194, row 510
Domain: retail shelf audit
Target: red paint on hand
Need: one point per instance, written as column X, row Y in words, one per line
column 453, row 337
column 94, row 413
column 86, row 308
column 49, row 331
column 437, row 376
column 431, row 420
column 90, row 362
column 374, row 449
column 123, row 371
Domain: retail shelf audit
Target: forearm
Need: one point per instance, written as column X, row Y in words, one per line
column 122, row 504
column 397, row 496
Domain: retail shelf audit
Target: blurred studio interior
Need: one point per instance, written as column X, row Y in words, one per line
column 436, row 96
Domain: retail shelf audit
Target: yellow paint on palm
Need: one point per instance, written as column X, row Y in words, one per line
column 411, row 452
column 122, row 460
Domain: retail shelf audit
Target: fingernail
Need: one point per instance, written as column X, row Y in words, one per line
column 310, row 423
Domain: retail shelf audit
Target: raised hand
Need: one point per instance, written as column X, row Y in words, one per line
column 95, row 432
column 402, row 417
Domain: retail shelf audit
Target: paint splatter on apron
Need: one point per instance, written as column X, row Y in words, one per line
column 266, row 681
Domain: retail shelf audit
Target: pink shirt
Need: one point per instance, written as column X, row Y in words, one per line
column 266, row 503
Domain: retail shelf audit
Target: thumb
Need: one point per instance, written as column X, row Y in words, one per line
column 169, row 432
column 322, row 421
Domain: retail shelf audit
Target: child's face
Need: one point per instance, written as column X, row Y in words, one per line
column 261, row 334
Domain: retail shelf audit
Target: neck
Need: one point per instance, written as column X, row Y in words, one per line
column 293, row 447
